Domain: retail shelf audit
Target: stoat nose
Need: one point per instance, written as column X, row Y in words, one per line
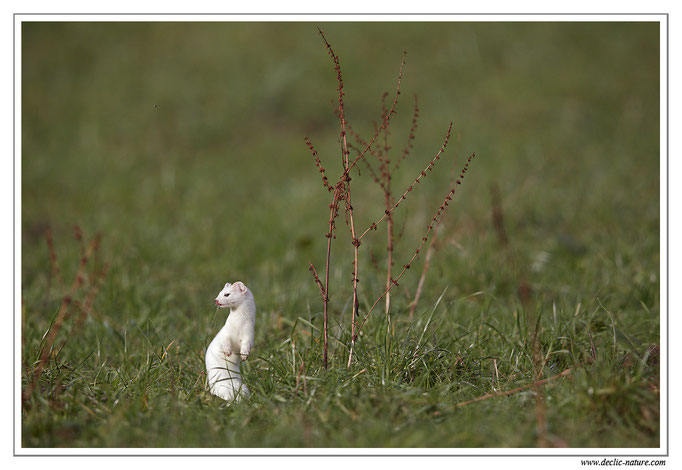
column 216, row 302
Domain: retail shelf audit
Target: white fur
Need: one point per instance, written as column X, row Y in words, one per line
column 232, row 344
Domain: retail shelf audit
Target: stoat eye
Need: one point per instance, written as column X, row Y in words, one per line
column 227, row 295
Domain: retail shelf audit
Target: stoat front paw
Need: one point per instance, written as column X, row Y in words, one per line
column 228, row 352
column 244, row 353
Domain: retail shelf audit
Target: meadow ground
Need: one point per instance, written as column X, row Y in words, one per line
column 183, row 145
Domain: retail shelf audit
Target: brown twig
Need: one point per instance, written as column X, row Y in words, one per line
column 517, row 389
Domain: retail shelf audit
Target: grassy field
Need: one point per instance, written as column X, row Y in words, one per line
column 183, row 145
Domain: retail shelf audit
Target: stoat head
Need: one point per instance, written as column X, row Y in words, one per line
column 232, row 295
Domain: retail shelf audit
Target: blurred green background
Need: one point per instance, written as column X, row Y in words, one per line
column 183, row 144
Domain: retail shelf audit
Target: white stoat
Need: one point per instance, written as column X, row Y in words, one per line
column 232, row 344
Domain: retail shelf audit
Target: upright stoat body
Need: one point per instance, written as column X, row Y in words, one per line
column 232, row 344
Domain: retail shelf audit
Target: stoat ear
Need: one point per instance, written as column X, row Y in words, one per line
column 227, row 285
column 239, row 286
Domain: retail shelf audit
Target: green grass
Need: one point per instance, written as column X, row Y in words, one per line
column 182, row 143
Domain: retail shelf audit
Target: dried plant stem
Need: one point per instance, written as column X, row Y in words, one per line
column 388, row 202
column 441, row 209
column 434, row 220
column 64, row 308
column 389, row 248
column 301, row 373
column 540, row 412
column 349, row 211
column 354, row 240
column 324, row 289
column 356, row 245
column 417, row 180
column 410, row 138
column 386, row 120
column 318, row 163
column 517, row 389
column 342, row 189
column 333, row 210
column 54, row 272
column 326, row 303
column 384, row 181
column 53, row 257
column 86, row 306
column 422, row 278
column 342, row 192
column 312, row 269
column 541, row 416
